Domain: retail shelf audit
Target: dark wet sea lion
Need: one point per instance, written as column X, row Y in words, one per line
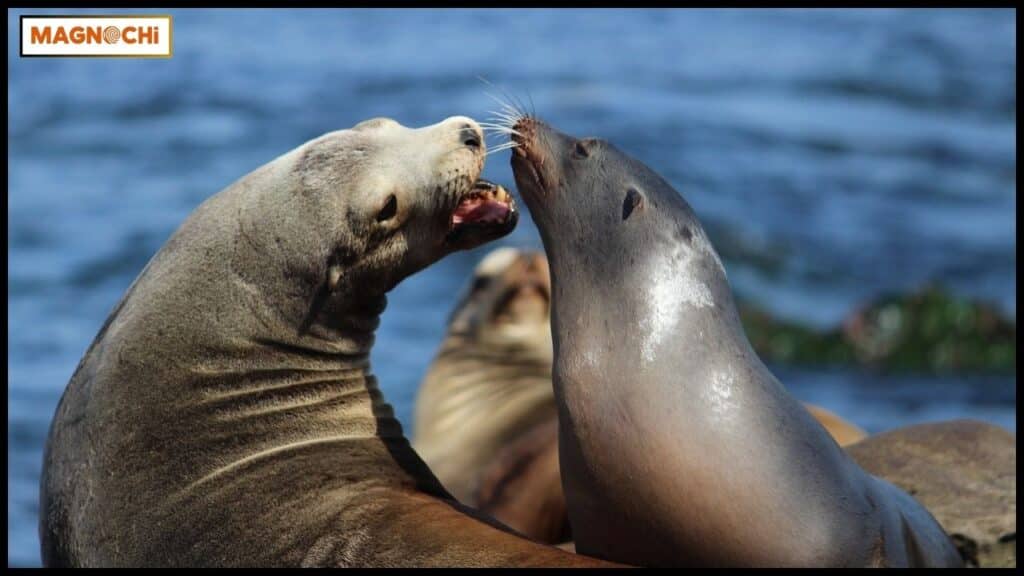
column 486, row 421
column 226, row 414
column 677, row 445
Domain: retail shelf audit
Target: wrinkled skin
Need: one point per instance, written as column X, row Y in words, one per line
column 226, row 413
column 659, row 391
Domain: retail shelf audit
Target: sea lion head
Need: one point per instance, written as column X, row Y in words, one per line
column 506, row 303
column 411, row 195
column 350, row 214
column 620, row 236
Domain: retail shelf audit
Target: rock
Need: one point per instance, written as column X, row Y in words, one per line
column 964, row 472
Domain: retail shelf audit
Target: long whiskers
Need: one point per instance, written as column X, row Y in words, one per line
column 502, row 128
column 506, row 146
column 514, row 104
column 509, row 144
column 511, row 110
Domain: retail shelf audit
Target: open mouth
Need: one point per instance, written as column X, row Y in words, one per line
column 486, row 212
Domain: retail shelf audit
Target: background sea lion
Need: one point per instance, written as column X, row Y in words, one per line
column 226, row 414
column 658, row 390
column 844, row 432
column 485, row 419
column 491, row 379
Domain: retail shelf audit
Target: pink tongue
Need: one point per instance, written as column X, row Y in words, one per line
column 479, row 210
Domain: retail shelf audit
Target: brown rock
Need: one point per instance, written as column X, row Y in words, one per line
column 964, row 472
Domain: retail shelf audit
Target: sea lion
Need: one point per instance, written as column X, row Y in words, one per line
column 485, row 416
column 226, row 414
column 488, row 386
column 845, row 433
column 491, row 377
column 677, row 445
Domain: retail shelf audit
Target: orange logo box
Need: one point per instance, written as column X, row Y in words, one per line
column 148, row 36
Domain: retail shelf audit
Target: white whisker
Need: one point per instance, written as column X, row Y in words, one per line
column 511, row 111
column 508, row 108
column 507, row 146
column 495, row 125
column 507, row 115
column 505, row 105
column 517, row 105
column 505, row 119
column 500, row 129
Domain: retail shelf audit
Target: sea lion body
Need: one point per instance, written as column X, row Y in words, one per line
column 226, row 414
column 677, row 445
column 486, row 417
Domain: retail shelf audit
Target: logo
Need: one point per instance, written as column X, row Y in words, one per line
column 96, row 36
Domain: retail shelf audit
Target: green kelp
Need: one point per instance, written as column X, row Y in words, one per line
column 930, row 330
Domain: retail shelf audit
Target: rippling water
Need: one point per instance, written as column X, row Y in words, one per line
column 832, row 156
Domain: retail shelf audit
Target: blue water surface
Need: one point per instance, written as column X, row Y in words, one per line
column 832, row 156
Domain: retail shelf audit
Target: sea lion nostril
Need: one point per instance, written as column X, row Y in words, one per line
column 471, row 136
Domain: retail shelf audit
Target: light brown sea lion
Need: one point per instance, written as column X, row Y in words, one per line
column 658, row 390
column 485, row 418
column 485, row 414
column 226, row 414
column 491, row 378
column 844, row 432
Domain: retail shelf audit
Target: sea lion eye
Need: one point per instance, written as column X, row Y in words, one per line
column 581, row 149
column 389, row 210
column 632, row 200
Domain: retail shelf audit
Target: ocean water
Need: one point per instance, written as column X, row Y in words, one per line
column 832, row 155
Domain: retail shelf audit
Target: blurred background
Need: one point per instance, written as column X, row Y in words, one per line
column 856, row 170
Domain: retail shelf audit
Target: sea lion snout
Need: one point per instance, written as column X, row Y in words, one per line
column 534, row 157
column 465, row 132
